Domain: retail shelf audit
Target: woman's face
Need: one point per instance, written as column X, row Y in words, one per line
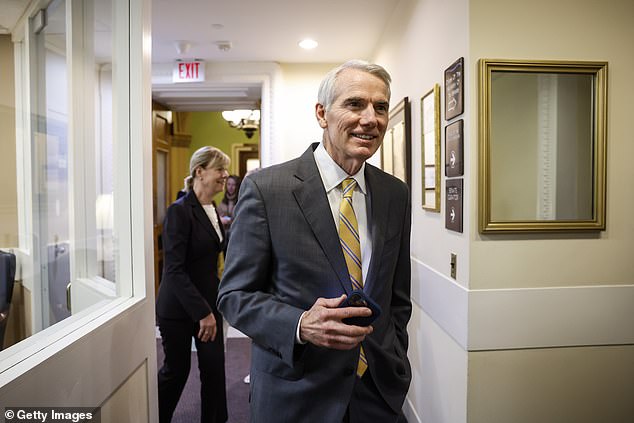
column 231, row 186
column 212, row 179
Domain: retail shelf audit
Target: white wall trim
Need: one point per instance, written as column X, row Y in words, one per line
column 442, row 299
column 410, row 412
column 551, row 317
column 493, row 319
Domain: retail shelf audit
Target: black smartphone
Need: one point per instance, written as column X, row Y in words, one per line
column 358, row 298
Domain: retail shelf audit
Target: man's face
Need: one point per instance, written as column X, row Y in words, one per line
column 356, row 121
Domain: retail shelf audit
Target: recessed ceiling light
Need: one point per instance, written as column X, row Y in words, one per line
column 308, row 44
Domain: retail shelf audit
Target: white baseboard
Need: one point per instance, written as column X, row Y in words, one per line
column 235, row 333
column 410, row 413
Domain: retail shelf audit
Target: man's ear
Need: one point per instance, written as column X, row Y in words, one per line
column 320, row 114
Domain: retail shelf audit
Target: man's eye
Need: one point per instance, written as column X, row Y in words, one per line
column 381, row 108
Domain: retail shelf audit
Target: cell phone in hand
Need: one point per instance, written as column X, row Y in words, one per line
column 358, row 298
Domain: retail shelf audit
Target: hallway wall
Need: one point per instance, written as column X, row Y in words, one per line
column 473, row 340
column 209, row 128
column 587, row 381
column 569, row 30
column 297, row 105
column 416, row 48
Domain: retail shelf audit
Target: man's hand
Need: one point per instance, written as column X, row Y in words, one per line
column 207, row 330
column 322, row 326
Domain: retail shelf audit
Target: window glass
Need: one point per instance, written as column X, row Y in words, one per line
column 70, row 147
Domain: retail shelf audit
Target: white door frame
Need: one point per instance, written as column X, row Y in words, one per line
column 85, row 360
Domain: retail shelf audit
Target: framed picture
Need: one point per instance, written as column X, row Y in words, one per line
column 454, row 89
column 430, row 129
column 453, row 204
column 454, row 146
column 396, row 147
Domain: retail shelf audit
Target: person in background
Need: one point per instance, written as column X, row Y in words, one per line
column 305, row 234
column 228, row 203
column 186, row 303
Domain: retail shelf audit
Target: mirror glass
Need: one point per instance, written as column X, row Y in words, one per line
column 542, row 142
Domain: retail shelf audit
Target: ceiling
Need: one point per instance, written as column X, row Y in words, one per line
column 253, row 31
column 259, row 31
column 268, row 30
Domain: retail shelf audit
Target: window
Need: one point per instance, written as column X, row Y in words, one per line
column 72, row 148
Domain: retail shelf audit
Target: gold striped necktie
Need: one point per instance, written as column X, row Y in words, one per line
column 351, row 246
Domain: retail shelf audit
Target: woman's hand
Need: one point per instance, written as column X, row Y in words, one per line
column 207, row 330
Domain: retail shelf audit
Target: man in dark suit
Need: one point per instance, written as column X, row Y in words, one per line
column 289, row 267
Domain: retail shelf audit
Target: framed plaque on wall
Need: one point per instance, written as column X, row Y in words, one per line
column 453, row 202
column 396, row 147
column 454, row 89
column 454, row 143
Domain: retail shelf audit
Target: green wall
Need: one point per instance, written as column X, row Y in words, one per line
column 209, row 128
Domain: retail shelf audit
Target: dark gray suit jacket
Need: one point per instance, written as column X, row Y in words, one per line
column 284, row 253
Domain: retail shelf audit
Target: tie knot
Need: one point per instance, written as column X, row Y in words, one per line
column 347, row 186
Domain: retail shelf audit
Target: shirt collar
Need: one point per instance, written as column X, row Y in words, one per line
column 332, row 175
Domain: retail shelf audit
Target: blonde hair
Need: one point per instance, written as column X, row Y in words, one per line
column 204, row 157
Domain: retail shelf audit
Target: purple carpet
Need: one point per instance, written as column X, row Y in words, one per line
column 237, row 364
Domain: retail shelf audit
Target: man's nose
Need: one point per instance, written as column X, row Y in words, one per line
column 368, row 116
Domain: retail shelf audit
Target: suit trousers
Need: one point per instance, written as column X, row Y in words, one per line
column 367, row 405
column 176, row 337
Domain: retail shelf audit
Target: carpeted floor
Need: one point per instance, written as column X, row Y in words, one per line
column 237, row 363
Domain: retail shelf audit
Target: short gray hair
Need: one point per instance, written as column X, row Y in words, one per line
column 204, row 157
column 326, row 94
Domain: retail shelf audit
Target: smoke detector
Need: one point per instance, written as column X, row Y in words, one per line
column 223, row 45
column 182, row 46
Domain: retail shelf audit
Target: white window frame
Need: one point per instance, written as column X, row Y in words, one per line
column 133, row 218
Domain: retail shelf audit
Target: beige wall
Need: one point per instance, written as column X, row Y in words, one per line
column 583, row 384
column 297, row 100
column 415, row 50
column 576, row 385
column 449, row 316
column 8, row 196
column 562, row 30
column 129, row 403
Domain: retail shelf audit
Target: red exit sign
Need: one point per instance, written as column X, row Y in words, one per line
column 188, row 71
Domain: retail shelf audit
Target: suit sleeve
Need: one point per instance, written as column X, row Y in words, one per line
column 246, row 294
column 177, row 230
column 401, row 307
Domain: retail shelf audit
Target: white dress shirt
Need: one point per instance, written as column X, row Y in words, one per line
column 213, row 217
column 332, row 175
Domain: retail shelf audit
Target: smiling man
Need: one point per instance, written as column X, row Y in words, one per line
column 306, row 234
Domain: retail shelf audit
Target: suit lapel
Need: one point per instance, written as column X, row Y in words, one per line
column 312, row 201
column 201, row 216
column 379, row 204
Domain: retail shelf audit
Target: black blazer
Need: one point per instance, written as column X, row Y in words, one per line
column 189, row 287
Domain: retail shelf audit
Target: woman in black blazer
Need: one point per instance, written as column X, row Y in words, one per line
column 186, row 302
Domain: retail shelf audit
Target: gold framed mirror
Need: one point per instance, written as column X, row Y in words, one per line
column 542, row 146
